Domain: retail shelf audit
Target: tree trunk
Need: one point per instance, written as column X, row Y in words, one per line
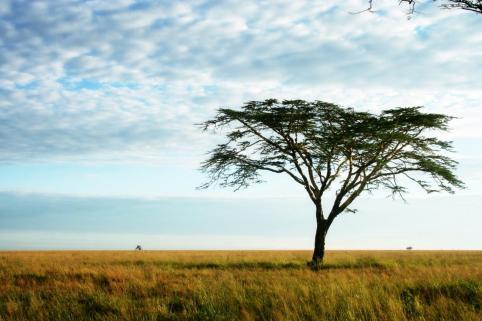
column 321, row 229
column 319, row 252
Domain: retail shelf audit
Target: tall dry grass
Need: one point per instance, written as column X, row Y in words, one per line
column 240, row 285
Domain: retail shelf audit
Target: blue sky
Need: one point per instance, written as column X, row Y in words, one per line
column 98, row 101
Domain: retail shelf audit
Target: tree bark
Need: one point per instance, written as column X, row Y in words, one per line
column 321, row 229
column 319, row 251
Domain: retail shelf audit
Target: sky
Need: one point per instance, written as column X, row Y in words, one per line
column 99, row 101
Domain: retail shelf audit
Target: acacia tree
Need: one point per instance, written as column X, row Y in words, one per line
column 323, row 146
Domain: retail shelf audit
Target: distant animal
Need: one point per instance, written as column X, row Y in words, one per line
column 409, row 248
column 138, row 248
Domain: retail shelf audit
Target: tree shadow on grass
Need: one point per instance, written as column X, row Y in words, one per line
column 361, row 263
column 236, row 265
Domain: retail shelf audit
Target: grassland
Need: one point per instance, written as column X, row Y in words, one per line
column 247, row 285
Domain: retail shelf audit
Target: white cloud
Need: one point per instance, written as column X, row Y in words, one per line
column 130, row 78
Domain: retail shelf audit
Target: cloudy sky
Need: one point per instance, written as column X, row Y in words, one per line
column 98, row 101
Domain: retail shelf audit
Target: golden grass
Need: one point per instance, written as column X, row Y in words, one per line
column 240, row 285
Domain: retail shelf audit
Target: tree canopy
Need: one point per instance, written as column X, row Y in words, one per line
column 322, row 146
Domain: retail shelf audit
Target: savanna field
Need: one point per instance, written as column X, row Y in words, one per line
column 240, row 285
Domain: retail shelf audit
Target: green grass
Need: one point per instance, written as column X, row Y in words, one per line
column 240, row 285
